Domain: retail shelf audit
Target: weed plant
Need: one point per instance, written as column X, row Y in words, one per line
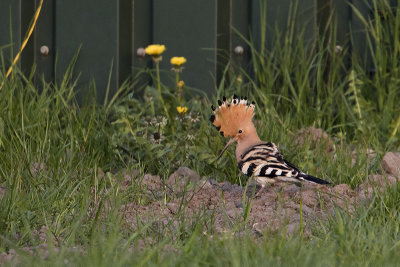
column 62, row 164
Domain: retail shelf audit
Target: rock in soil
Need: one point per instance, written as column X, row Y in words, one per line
column 391, row 164
column 316, row 136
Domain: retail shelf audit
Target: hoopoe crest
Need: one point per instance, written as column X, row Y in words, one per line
column 255, row 158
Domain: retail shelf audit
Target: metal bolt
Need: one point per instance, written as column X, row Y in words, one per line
column 239, row 50
column 44, row 50
column 141, row 52
column 338, row 49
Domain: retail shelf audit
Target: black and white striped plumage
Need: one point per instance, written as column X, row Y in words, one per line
column 265, row 162
column 255, row 158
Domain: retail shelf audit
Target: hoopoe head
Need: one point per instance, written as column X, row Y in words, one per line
column 234, row 119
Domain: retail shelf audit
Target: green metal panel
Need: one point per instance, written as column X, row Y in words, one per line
column 341, row 18
column 224, row 41
column 351, row 32
column 22, row 13
column 14, row 23
column 125, row 32
column 44, row 36
column 277, row 17
column 240, row 27
column 340, row 10
column 27, row 12
column 359, row 46
column 202, row 31
column 142, row 36
column 189, row 29
column 93, row 25
column 10, row 26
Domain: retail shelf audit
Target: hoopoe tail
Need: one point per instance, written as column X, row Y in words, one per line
column 310, row 178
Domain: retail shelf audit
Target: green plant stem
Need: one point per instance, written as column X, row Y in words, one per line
column 160, row 99
column 177, row 80
column 178, row 90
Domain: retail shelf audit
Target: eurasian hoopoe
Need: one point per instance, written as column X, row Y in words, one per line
column 254, row 157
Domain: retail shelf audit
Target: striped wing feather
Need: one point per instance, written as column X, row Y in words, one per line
column 265, row 160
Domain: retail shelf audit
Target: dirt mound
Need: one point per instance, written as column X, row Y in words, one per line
column 231, row 206
column 270, row 208
column 223, row 207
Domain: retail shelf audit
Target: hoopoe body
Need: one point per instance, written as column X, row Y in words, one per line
column 254, row 157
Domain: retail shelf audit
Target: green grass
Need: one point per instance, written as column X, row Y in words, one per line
column 61, row 164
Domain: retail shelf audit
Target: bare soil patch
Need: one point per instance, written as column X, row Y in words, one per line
column 271, row 208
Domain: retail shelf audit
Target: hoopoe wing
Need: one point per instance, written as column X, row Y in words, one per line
column 265, row 160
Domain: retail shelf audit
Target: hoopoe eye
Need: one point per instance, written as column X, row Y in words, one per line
column 240, row 131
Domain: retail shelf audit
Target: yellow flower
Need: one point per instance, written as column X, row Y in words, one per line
column 178, row 61
column 181, row 84
column 155, row 49
column 181, row 110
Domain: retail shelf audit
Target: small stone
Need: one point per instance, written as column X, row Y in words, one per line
column 231, row 213
column 238, row 203
column 181, row 178
column 260, row 227
column 213, row 182
column 382, row 180
column 391, row 164
column 173, row 207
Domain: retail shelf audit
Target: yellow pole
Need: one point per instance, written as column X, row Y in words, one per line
column 24, row 42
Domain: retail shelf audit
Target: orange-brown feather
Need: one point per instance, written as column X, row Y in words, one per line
column 230, row 118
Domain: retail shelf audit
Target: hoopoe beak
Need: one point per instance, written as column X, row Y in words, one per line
column 233, row 139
